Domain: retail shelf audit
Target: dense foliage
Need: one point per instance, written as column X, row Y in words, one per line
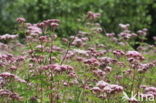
column 134, row 12
column 87, row 67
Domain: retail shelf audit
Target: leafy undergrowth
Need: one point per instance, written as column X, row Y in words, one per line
column 88, row 67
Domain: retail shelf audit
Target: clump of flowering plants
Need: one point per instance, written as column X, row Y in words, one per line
column 87, row 67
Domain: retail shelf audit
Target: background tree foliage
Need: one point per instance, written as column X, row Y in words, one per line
column 138, row 13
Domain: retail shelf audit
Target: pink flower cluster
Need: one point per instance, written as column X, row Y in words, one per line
column 7, row 59
column 39, row 28
column 93, row 52
column 127, row 35
column 34, row 30
column 135, row 55
column 8, row 37
column 44, row 39
column 107, row 60
column 56, row 48
column 102, row 72
column 142, row 68
column 110, row 34
column 81, row 52
column 9, row 94
column 84, row 53
column 58, row 68
column 92, row 61
column 20, row 20
column 7, row 75
column 151, row 91
column 92, row 16
column 99, row 73
column 79, row 41
column 36, row 59
column 107, row 88
column 143, row 32
column 118, row 53
column 54, row 23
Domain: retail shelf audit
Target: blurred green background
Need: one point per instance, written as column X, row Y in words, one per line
column 138, row 13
